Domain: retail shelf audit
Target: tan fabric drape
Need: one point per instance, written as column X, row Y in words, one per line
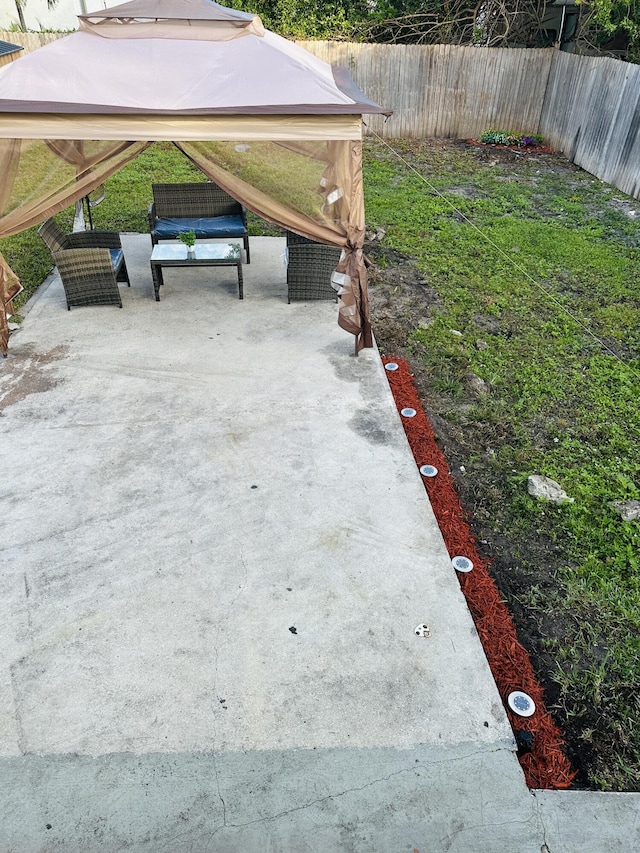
column 336, row 219
column 33, row 188
column 312, row 187
column 78, row 152
column 9, row 287
column 39, row 187
column 9, row 162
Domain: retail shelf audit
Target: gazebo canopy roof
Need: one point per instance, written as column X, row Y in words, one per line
column 170, row 10
column 180, row 57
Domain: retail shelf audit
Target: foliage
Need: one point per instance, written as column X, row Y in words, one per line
column 309, row 19
column 20, row 4
column 187, row 237
column 615, row 19
column 601, row 25
column 498, row 137
column 491, row 23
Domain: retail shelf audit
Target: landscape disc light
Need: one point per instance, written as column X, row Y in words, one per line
column 408, row 413
column 521, row 703
column 428, row 470
column 391, row 366
column 462, row 564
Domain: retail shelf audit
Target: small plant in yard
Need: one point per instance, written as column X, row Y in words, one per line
column 520, row 140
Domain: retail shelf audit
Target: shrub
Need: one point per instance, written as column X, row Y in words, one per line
column 521, row 140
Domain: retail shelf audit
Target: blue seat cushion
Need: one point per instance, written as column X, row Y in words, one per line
column 214, row 226
column 116, row 257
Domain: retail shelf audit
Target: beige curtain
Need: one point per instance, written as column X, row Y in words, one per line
column 41, row 177
column 310, row 186
column 9, row 288
column 314, row 189
column 44, row 177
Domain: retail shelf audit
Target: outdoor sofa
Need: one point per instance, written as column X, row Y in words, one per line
column 204, row 208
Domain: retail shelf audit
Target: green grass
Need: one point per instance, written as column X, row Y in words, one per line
column 553, row 271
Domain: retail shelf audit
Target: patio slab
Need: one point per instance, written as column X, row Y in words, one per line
column 216, row 548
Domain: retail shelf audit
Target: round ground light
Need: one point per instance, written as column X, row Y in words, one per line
column 462, row 564
column 408, row 413
column 428, row 470
column 521, row 703
column 391, row 366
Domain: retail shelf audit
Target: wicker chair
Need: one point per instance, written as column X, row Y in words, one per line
column 309, row 268
column 56, row 240
column 88, row 277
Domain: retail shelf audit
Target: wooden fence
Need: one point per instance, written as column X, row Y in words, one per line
column 444, row 90
column 30, row 41
column 591, row 112
column 586, row 106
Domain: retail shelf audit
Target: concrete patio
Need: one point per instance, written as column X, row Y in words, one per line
column 215, row 549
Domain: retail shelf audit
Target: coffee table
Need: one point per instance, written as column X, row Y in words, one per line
column 204, row 255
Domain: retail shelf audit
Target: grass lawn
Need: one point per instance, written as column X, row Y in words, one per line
column 511, row 283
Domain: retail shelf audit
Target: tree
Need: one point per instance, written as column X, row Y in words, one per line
column 20, row 4
column 601, row 24
column 614, row 23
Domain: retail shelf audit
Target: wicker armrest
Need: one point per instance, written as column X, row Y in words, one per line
column 93, row 240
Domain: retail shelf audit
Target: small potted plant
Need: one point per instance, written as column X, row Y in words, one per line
column 189, row 239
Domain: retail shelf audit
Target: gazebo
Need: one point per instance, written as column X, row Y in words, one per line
column 273, row 125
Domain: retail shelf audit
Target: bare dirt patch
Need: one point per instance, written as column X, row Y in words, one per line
column 29, row 373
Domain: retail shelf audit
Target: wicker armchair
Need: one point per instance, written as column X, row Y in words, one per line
column 88, row 277
column 56, row 240
column 309, row 268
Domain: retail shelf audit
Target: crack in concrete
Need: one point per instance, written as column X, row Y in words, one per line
column 22, row 737
column 449, row 837
column 27, row 594
column 317, row 801
column 541, row 824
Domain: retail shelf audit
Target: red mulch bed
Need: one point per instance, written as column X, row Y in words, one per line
column 546, row 765
column 526, row 149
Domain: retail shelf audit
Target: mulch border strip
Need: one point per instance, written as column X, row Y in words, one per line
column 535, row 148
column 546, row 765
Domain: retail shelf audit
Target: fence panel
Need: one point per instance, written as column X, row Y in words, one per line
column 592, row 114
column 445, row 90
column 30, row 41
